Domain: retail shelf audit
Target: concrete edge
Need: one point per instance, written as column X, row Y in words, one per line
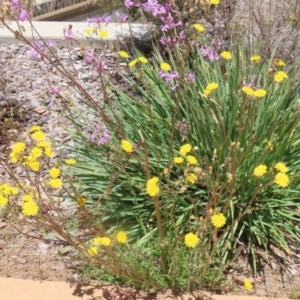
column 54, row 31
column 21, row 289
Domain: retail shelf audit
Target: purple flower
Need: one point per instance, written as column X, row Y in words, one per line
column 129, row 3
column 100, row 135
column 15, row 4
column 51, row 43
column 168, row 76
column 209, row 53
column 191, row 77
column 99, row 20
column 121, row 18
column 68, row 34
column 169, row 23
column 54, row 90
column 89, row 57
column 24, row 15
column 174, row 40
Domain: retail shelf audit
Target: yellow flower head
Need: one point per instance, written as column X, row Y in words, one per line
column 126, row 146
column 70, row 161
column 49, row 152
column 279, row 63
column 30, row 208
column 282, row 180
column 260, row 93
column 81, row 201
column 34, row 165
column 89, row 30
column 199, row 27
column 191, row 178
column 178, row 160
column 27, row 197
column 133, row 63
column 8, row 190
column 248, row 90
column 39, row 136
column 103, row 33
column 256, row 59
column 36, row 152
column 270, row 145
column 43, row 144
column 54, row 172
column 3, row 200
column 121, row 237
column 226, row 55
column 14, row 157
column 248, row 285
column 192, row 160
column 260, row 170
column 55, row 183
column 185, row 149
column 143, row 59
column 123, row 54
column 165, row 66
column 191, row 240
column 35, row 128
column 212, row 86
column 280, row 76
column 152, row 187
column 18, row 147
column 218, row 220
column 281, row 167
column 105, row 241
column 93, row 251
column 215, row 2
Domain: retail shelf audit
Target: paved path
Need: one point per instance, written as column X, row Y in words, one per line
column 20, row 289
column 54, row 31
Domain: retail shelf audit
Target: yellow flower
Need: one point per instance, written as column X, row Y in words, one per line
column 121, row 237
column 191, row 240
column 143, row 59
column 226, row 55
column 255, row 58
column 30, row 208
column 199, row 27
column 212, row 86
column 3, row 200
column 248, row 284
column 248, row 90
column 191, row 178
column 89, row 30
column 103, row 33
column 215, row 2
column 54, row 172
column 27, row 197
column 93, row 251
column 55, row 183
column 7, row 190
column 34, row 165
column 49, row 152
column 70, row 161
column 282, row 180
column 43, row 144
column 36, row 152
column 260, row 93
column 260, row 170
column 279, row 63
column 14, row 157
column 132, row 63
column 270, row 145
column 105, row 241
column 123, row 54
column 35, row 128
column 178, row 160
column 18, row 147
column 152, row 188
column 281, row 167
column 192, row 160
column 218, row 220
column 39, row 136
column 126, row 146
column 165, row 67
column 81, row 201
column 185, row 149
column 280, row 76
